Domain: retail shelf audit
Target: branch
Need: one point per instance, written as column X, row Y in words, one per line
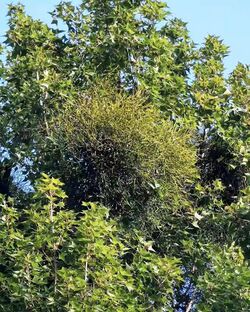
column 189, row 307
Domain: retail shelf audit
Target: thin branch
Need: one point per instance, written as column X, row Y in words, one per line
column 190, row 305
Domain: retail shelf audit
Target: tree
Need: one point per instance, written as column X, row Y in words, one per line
column 56, row 116
column 54, row 259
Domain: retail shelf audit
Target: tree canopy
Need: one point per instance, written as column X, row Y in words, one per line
column 142, row 142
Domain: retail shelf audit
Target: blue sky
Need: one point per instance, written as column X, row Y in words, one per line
column 229, row 19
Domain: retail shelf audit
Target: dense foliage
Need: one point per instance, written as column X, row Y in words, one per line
column 116, row 101
column 118, row 150
column 53, row 259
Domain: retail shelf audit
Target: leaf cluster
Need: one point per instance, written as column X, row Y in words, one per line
column 117, row 149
